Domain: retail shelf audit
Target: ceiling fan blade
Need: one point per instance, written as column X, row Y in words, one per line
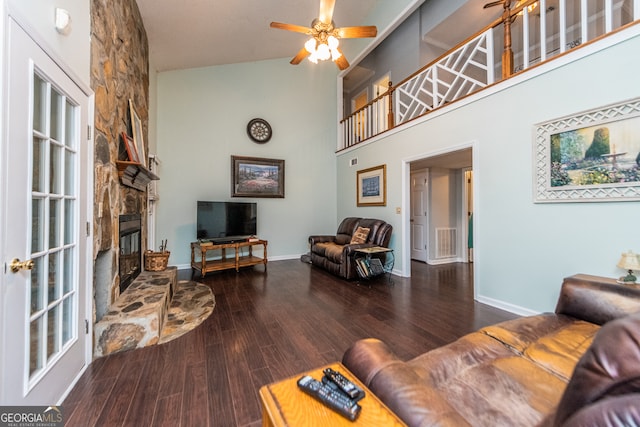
column 357, row 32
column 326, row 11
column 494, row 3
column 302, row 53
column 291, row 27
column 342, row 62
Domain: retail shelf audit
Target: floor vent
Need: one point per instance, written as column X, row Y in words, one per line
column 446, row 242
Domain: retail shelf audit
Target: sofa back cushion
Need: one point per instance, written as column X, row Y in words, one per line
column 379, row 231
column 591, row 299
column 346, row 229
column 607, row 373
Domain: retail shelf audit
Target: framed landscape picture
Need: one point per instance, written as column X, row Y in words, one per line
column 589, row 157
column 372, row 186
column 257, row 177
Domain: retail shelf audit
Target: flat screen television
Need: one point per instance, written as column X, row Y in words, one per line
column 226, row 221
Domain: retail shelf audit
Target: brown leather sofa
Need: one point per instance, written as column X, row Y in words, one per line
column 335, row 253
column 553, row 369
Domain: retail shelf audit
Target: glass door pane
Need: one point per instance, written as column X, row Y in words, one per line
column 54, row 234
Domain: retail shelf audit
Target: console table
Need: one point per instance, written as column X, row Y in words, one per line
column 204, row 263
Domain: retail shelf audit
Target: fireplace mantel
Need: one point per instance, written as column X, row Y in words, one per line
column 135, row 175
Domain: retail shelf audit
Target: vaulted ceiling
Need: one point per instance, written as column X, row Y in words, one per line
column 197, row 33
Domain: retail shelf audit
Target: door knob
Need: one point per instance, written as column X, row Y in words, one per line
column 17, row 265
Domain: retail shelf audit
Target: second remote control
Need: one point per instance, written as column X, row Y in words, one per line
column 333, row 399
column 349, row 388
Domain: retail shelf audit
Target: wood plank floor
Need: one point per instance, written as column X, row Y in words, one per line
column 266, row 327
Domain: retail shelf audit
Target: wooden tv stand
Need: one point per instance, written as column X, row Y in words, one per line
column 200, row 262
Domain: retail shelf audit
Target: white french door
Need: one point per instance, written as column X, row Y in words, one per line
column 45, row 248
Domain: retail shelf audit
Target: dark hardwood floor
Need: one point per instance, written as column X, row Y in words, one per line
column 266, row 327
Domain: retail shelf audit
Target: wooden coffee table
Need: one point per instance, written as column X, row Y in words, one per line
column 284, row 404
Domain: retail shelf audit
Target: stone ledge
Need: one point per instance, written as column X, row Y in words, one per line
column 136, row 318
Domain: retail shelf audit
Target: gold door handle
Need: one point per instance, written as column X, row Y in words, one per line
column 17, row 265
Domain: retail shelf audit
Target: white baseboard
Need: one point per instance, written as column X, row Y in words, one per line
column 502, row 305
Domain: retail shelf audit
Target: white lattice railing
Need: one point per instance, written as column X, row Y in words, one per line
column 550, row 28
column 461, row 72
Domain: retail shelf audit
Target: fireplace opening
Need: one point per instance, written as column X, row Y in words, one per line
column 130, row 255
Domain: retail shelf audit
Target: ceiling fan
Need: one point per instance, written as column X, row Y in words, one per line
column 324, row 41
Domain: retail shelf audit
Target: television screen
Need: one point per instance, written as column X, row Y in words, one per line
column 226, row 221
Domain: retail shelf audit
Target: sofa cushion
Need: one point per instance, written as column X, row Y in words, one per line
column 555, row 342
column 330, row 250
column 360, row 236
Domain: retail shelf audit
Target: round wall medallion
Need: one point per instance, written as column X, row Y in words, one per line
column 259, row 130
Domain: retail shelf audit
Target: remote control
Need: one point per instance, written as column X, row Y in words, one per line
column 329, row 397
column 347, row 387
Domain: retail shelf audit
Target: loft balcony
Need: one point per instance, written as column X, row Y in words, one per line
column 530, row 33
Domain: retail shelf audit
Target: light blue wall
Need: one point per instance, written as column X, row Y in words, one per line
column 522, row 249
column 201, row 121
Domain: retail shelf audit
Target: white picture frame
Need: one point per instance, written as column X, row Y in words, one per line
column 138, row 138
column 592, row 156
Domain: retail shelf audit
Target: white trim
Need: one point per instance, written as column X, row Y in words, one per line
column 405, row 227
column 502, row 305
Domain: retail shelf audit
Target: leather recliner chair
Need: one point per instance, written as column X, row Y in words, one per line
column 335, row 253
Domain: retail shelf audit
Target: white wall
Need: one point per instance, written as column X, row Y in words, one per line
column 73, row 49
column 522, row 249
column 202, row 116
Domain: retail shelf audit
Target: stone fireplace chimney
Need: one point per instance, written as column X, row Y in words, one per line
column 119, row 72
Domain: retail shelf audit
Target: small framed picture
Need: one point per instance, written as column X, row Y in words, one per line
column 131, row 148
column 257, row 177
column 372, row 186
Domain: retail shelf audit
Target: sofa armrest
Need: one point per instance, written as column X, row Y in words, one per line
column 349, row 249
column 597, row 299
column 321, row 239
column 399, row 386
column 366, row 357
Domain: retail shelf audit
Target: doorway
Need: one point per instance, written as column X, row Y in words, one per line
column 440, row 201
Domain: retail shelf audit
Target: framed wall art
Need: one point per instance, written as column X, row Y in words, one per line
column 138, row 138
column 593, row 156
column 372, row 186
column 257, row 177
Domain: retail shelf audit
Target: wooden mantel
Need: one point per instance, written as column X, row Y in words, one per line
column 134, row 174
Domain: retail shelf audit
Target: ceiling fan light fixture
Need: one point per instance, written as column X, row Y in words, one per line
column 310, row 45
column 333, row 42
column 323, row 52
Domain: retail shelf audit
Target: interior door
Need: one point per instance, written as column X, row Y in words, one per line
column 45, row 250
column 418, row 219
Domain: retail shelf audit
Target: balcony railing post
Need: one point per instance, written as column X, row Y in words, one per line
column 390, row 115
column 507, row 53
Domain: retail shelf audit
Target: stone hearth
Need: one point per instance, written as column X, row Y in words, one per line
column 153, row 310
column 136, row 318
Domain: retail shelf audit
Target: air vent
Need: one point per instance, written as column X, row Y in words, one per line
column 354, row 161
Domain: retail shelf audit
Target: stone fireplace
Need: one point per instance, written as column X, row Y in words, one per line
column 119, row 73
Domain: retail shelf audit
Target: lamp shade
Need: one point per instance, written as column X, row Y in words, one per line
column 629, row 261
